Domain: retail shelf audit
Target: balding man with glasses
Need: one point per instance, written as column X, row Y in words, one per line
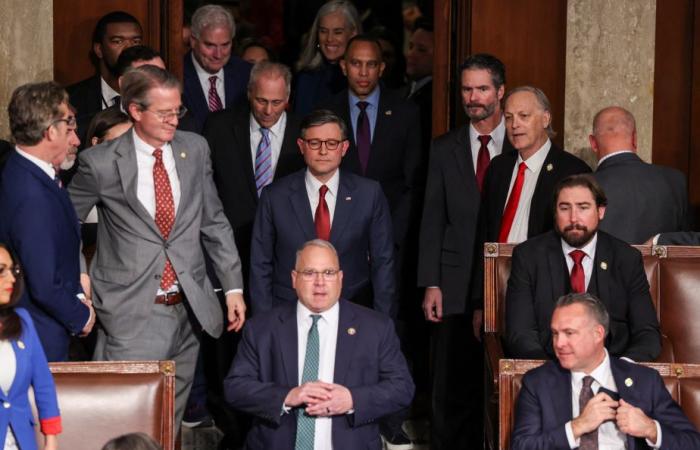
column 157, row 203
column 322, row 201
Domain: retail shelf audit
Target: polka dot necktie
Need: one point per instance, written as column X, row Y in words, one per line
column 165, row 212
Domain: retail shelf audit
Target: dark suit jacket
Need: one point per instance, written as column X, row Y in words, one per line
column 680, row 238
column 394, row 155
column 228, row 134
column 360, row 232
column 643, row 199
column 314, row 86
column 539, row 276
column 544, row 407
column 450, row 218
column 86, row 98
column 236, row 75
column 368, row 362
column 39, row 223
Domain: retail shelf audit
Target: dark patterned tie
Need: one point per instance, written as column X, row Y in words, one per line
column 482, row 160
column 165, row 212
column 263, row 161
column 364, row 140
column 214, row 100
column 306, row 425
column 589, row 441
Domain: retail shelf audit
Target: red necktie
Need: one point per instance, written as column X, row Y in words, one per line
column 165, row 212
column 482, row 160
column 512, row 205
column 578, row 277
column 323, row 216
column 214, row 99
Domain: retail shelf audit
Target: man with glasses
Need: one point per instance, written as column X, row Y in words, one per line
column 37, row 218
column 158, row 205
column 318, row 372
column 323, row 202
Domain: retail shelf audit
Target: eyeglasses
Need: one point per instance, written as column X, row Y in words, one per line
column 315, row 144
column 71, row 122
column 16, row 271
column 310, row 275
column 166, row 115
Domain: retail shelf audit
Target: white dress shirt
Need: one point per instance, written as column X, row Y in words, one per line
column 328, row 338
column 586, row 262
column 613, row 154
column 276, row 135
column 312, row 187
column 609, row 436
column 108, row 94
column 518, row 231
column 204, row 76
column 8, row 362
column 45, row 167
column 495, row 145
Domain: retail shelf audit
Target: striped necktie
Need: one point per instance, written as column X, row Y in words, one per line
column 263, row 161
column 306, row 425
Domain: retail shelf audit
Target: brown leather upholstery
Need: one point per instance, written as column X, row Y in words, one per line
column 682, row 381
column 102, row 400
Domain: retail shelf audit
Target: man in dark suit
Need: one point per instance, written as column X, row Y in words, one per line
column 589, row 398
column 643, row 199
column 319, row 372
column 38, row 219
column 448, row 236
column 577, row 257
column 325, row 202
column 419, row 72
column 679, row 238
column 113, row 33
column 213, row 78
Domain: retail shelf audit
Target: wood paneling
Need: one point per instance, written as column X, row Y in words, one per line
column 694, row 123
column 442, row 65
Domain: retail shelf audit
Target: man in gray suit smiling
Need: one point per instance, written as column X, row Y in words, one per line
column 157, row 205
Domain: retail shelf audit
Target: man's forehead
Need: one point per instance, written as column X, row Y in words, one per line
column 122, row 29
column 327, row 130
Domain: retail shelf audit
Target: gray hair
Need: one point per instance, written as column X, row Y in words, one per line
column 212, row 16
column 32, row 109
column 622, row 121
column 139, row 81
column 311, row 57
column 320, row 243
column 596, row 309
column 320, row 117
column 542, row 100
column 272, row 70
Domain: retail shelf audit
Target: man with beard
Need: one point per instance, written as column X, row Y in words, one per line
column 577, row 257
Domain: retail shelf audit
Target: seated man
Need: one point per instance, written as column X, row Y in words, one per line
column 318, row 373
column 589, row 399
column 577, row 257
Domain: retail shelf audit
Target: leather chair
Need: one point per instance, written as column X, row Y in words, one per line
column 102, row 400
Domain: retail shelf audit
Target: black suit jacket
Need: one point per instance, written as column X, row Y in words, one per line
column 643, row 199
column 394, row 155
column 228, row 135
column 680, row 238
column 450, row 218
column 86, row 98
column 539, row 276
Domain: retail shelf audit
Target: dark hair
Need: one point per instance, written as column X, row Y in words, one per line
column 595, row 307
column 33, row 108
column 584, row 180
column 113, row 17
column 132, row 441
column 321, row 117
column 364, row 38
column 102, row 122
column 486, row 62
column 423, row 23
column 130, row 55
column 252, row 42
column 10, row 323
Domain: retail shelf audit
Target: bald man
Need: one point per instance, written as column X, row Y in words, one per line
column 643, row 199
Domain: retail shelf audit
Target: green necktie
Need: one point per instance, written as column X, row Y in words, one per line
column 306, row 425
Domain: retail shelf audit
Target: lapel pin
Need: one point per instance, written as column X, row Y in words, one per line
column 183, row 155
column 21, row 345
column 629, row 382
column 352, row 331
column 387, row 112
column 347, row 199
column 550, row 167
column 604, row 265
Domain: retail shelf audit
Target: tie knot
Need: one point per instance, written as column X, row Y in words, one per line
column 322, row 190
column 577, row 256
column 265, row 132
column 362, row 105
column 484, row 139
column 315, row 318
column 588, row 381
column 212, row 80
column 158, row 154
column 522, row 167
column 116, row 100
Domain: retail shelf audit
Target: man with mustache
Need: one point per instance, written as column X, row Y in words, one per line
column 577, row 257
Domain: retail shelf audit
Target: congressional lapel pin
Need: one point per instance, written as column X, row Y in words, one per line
column 387, row 112
column 604, row 265
column 347, row 199
column 352, row 331
column 629, row 382
column 183, row 155
column 550, row 167
column 20, row 344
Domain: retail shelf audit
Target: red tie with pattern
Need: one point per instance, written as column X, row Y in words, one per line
column 512, row 205
column 323, row 216
column 215, row 103
column 578, row 277
column 482, row 160
column 165, row 212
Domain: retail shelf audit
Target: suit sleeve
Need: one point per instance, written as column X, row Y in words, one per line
column 677, row 432
column 262, row 248
column 680, row 238
column 432, row 225
column 381, row 252
column 84, row 189
column 522, row 337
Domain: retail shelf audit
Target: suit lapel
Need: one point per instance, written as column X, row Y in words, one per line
column 549, row 174
column 561, row 399
column 623, row 377
column 351, row 158
column 287, row 341
column 504, row 185
column 462, row 154
column 23, row 364
column 300, row 204
column 197, row 98
column 602, row 276
column 186, row 175
column 345, row 345
column 557, row 267
column 344, row 207
column 381, row 128
column 241, row 131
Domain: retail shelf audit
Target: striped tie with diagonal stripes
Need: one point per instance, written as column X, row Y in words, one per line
column 263, row 161
column 306, row 425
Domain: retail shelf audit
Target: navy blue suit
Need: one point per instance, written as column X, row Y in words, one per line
column 368, row 362
column 361, row 232
column 544, row 407
column 236, row 75
column 37, row 219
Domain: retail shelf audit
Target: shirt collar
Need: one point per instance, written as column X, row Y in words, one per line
column 330, row 315
column 45, row 167
column 277, row 129
column 534, row 162
column 415, row 85
column 108, row 93
column 588, row 249
column 613, row 154
column 313, row 184
column 145, row 148
column 203, row 74
column 600, row 374
column 497, row 134
column 372, row 98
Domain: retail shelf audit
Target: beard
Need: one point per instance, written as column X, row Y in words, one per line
column 576, row 241
column 482, row 113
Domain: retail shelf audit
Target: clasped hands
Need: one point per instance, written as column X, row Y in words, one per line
column 321, row 399
column 629, row 419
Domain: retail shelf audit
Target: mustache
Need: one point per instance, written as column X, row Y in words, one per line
column 575, row 227
column 475, row 105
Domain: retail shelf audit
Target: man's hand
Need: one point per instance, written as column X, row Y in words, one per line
column 310, row 393
column 85, row 284
column 91, row 320
column 50, row 442
column 599, row 409
column 477, row 323
column 432, row 304
column 235, row 307
column 632, row 420
column 340, row 402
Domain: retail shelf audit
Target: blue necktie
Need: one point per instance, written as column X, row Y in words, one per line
column 306, row 425
column 263, row 161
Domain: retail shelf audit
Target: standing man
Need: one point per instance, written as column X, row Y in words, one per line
column 323, row 202
column 318, row 373
column 643, row 199
column 213, row 78
column 158, row 205
column 419, row 72
column 458, row 163
column 38, row 219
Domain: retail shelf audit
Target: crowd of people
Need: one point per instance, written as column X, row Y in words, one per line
column 304, row 251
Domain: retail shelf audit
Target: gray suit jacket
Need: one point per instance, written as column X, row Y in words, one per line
column 131, row 252
column 680, row 238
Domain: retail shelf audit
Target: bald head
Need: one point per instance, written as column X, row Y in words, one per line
column 614, row 129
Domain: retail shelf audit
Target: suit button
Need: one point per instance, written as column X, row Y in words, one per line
column 6, row 405
column 167, row 246
column 157, row 277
